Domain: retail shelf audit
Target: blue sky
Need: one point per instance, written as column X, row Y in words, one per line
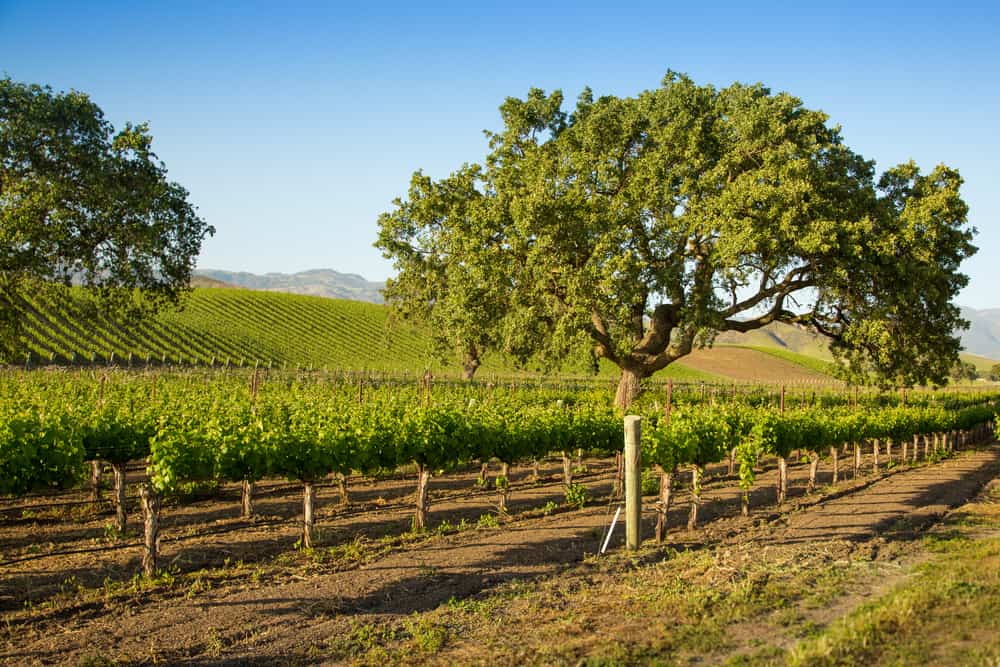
column 293, row 128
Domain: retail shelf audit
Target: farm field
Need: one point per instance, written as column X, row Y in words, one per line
column 229, row 327
column 765, row 588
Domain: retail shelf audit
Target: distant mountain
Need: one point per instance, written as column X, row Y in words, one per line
column 980, row 342
column 983, row 335
column 316, row 282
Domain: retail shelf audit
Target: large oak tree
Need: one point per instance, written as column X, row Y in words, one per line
column 646, row 225
column 80, row 202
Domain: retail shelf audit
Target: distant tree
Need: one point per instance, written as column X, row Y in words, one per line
column 80, row 202
column 460, row 303
column 963, row 371
column 643, row 226
column 995, row 372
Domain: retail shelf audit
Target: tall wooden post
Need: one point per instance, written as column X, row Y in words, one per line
column 633, row 482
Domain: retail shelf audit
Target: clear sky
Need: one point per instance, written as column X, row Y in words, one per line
column 294, row 127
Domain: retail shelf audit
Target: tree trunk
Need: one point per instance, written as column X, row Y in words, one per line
column 916, row 447
column 246, row 499
column 422, row 501
column 666, row 487
column 345, row 498
column 857, row 460
column 95, row 481
column 745, row 502
column 484, row 469
column 888, row 451
column 695, row 496
column 567, row 470
column 835, row 456
column 813, row 467
column 308, row 519
column 503, row 488
column 629, row 386
column 782, row 479
column 535, row 474
column 151, row 516
column 119, row 474
column 875, row 447
column 469, row 368
column 906, row 450
column 732, row 462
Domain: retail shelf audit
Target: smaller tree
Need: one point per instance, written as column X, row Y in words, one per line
column 457, row 300
column 80, row 202
column 995, row 372
column 964, row 371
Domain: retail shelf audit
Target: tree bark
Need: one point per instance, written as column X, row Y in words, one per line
column 835, row 456
column 503, row 488
column 470, row 366
column 813, row 467
column 875, row 452
column 308, row 518
column 629, row 386
column 120, row 517
column 857, row 460
column 151, row 532
column 906, row 450
column 345, row 498
column 666, row 487
column 246, row 499
column 422, row 500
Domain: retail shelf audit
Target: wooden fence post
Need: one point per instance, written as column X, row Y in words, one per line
column 633, row 482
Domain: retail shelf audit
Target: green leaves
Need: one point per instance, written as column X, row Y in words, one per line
column 79, row 201
column 642, row 226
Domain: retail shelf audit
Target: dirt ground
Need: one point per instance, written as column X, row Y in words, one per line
column 238, row 592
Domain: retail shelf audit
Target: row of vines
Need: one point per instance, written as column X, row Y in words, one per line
column 241, row 430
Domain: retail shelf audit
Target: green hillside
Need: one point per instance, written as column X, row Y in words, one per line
column 246, row 327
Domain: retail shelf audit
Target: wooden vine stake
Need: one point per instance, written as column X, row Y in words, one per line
column 503, row 488
column 696, row 474
column 666, row 478
column 813, row 468
column 308, row 517
column 782, row 461
column 345, row 498
column 118, row 469
column 151, row 529
column 422, row 500
column 246, row 499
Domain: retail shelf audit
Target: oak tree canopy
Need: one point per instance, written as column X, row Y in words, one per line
column 643, row 226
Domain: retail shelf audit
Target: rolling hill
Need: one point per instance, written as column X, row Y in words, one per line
column 220, row 325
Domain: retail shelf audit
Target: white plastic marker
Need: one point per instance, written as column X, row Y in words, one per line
column 611, row 529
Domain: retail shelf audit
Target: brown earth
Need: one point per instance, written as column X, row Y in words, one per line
column 745, row 365
column 239, row 594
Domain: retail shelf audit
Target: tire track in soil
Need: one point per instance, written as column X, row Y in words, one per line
column 262, row 624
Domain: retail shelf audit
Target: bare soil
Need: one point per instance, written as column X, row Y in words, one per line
column 238, row 592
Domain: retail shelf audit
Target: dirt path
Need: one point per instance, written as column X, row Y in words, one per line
column 250, row 620
column 898, row 505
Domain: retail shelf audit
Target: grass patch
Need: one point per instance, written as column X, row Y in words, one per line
column 948, row 613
